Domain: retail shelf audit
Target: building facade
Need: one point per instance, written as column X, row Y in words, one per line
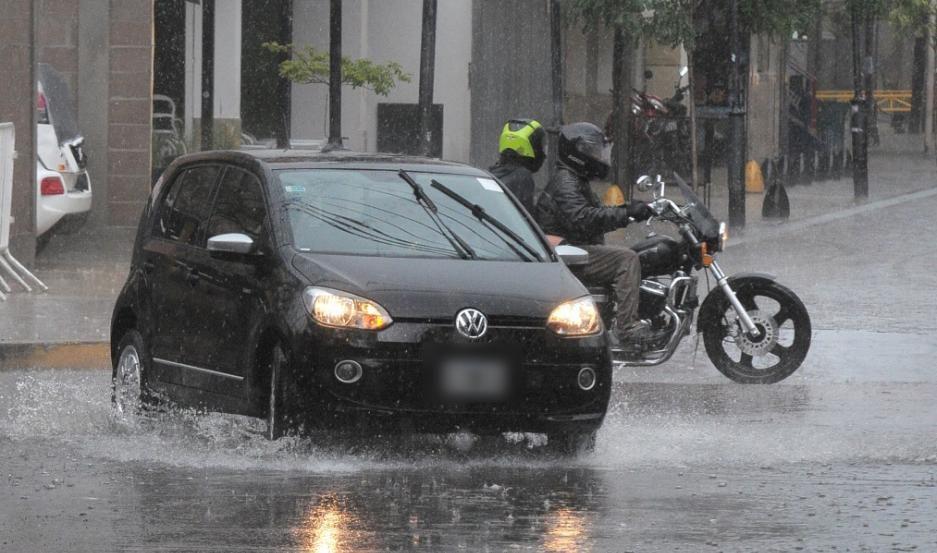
column 492, row 64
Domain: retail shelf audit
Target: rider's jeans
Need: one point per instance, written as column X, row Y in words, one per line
column 619, row 267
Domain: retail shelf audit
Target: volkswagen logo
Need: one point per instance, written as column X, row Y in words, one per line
column 471, row 323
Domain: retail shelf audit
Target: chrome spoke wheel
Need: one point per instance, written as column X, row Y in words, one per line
column 127, row 382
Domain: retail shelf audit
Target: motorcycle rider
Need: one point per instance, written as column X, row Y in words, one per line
column 521, row 149
column 568, row 208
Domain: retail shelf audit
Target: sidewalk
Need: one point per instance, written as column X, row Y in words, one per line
column 68, row 325
column 890, row 175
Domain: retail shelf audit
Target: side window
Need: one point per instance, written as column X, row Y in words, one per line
column 239, row 206
column 184, row 211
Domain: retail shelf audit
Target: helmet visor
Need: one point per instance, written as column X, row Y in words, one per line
column 595, row 147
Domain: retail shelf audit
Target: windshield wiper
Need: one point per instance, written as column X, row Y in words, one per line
column 461, row 246
column 482, row 215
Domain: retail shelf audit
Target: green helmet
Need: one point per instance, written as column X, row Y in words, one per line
column 524, row 137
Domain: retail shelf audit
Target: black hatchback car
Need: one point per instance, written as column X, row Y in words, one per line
column 345, row 291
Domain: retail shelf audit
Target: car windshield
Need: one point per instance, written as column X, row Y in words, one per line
column 375, row 212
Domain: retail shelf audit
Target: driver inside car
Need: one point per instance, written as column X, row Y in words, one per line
column 569, row 211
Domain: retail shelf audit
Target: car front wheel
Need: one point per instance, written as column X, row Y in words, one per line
column 129, row 392
column 279, row 405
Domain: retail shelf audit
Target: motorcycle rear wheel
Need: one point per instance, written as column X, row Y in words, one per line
column 784, row 325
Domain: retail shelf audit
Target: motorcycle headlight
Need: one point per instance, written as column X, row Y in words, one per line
column 579, row 317
column 723, row 235
column 341, row 309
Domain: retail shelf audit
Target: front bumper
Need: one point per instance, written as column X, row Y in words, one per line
column 399, row 385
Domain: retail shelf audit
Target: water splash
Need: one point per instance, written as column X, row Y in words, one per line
column 653, row 425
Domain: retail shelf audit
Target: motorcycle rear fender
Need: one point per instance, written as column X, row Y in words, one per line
column 709, row 313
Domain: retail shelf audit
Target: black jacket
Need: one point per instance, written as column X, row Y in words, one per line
column 519, row 180
column 569, row 208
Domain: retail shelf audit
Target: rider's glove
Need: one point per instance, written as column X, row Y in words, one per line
column 639, row 211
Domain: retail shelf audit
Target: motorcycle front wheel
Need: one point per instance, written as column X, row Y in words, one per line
column 784, row 335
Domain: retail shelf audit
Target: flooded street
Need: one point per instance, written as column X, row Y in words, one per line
column 842, row 456
column 678, row 467
column 593, row 219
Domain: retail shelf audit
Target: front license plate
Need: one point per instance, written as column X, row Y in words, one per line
column 474, row 379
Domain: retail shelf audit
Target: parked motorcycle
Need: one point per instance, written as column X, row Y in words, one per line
column 661, row 132
column 755, row 330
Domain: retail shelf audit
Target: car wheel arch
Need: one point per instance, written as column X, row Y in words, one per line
column 125, row 319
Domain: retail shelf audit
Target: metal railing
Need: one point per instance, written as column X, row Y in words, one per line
column 888, row 101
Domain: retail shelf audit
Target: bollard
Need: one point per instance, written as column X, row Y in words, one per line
column 754, row 182
column 796, row 169
column 810, row 166
column 776, row 204
column 836, row 165
column 823, row 164
column 767, row 170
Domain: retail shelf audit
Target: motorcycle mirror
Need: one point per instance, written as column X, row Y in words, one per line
column 684, row 70
column 644, row 183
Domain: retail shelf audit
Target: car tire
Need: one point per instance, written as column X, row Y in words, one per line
column 130, row 392
column 571, row 443
column 280, row 405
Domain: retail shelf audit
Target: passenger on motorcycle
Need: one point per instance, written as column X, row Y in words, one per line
column 522, row 153
column 570, row 209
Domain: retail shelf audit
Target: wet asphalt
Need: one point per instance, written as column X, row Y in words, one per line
column 842, row 456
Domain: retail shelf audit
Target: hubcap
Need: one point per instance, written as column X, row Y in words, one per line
column 766, row 339
column 127, row 381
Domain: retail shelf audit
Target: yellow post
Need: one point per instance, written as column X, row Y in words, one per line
column 754, row 181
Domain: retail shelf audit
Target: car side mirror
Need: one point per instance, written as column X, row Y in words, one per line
column 234, row 243
column 571, row 255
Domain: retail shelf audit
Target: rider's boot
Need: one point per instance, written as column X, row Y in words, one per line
column 634, row 338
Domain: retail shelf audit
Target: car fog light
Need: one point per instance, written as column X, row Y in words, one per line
column 348, row 371
column 586, row 378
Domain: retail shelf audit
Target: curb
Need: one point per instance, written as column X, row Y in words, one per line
column 72, row 355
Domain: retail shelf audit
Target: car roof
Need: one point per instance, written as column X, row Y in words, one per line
column 336, row 159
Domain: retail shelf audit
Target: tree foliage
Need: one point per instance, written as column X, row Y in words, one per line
column 912, row 15
column 670, row 22
column 310, row 66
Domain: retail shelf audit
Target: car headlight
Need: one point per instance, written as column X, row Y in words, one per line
column 579, row 317
column 341, row 309
column 723, row 235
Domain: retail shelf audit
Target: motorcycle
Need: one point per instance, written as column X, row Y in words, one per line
column 755, row 330
column 661, row 131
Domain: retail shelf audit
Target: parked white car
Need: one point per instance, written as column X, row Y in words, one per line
column 63, row 186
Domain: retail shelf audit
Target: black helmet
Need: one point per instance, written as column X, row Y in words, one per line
column 584, row 149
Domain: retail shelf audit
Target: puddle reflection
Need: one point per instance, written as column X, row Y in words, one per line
column 428, row 510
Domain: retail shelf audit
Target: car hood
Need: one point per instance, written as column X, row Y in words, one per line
column 428, row 289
